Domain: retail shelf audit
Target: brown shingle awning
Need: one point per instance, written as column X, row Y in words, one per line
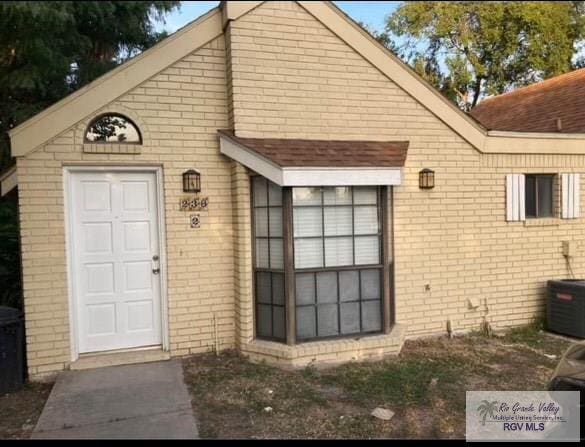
column 325, row 153
column 298, row 162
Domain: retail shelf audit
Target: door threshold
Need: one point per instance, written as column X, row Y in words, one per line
column 120, row 357
column 121, row 351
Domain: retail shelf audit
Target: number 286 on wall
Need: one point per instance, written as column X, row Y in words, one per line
column 194, row 204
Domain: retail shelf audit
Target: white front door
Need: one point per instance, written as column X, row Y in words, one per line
column 115, row 257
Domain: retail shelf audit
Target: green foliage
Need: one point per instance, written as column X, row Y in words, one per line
column 382, row 37
column 530, row 334
column 469, row 49
column 50, row 49
column 10, row 294
column 405, row 382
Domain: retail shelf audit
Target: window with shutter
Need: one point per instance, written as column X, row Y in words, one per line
column 539, row 195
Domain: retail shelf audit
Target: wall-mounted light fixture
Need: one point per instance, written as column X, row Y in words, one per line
column 191, row 181
column 426, row 179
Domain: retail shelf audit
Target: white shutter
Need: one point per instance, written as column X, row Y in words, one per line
column 570, row 195
column 515, row 198
column 577, row 195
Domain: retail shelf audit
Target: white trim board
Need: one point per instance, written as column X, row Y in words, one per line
column 309, row 176
column 8, row 181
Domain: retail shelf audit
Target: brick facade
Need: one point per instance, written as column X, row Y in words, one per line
column 278, row 72
column 293, row 78
column 178, row 112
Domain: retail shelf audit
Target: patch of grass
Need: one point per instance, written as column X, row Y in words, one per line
column 404, row 382
column 310, row 372
column 530, row 334
column 231, row 386
column 534, row 336
column 425, row 386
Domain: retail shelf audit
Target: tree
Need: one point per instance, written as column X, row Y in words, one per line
column 10, row 288
column 50, row 49
column 381, row 36
column 469, row 49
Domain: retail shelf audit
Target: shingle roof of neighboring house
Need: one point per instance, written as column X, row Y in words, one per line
column 321, row 153
column 554, row 105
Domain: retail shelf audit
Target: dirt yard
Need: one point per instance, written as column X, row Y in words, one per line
column 20, row 411
column 425, row 388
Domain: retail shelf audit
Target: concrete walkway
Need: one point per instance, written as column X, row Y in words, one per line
column 145, row 401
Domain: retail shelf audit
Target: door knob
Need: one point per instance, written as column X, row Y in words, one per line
column 156, row 271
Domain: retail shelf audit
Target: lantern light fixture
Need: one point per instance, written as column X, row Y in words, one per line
column 426, row 179
column 191, row 181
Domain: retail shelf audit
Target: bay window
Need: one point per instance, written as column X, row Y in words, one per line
column 269, row 260
column 331, row 277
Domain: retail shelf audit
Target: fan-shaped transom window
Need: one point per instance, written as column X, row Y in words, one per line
column 113, row 128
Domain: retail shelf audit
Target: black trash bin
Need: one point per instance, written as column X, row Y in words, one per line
column 12, row 363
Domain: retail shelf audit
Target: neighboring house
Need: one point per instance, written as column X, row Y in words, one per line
column 316, row 235
column 555, row 105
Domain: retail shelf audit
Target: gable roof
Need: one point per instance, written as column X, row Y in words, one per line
column 66, row 113
column 554, row 105
column 395, row 69
column 70, row 110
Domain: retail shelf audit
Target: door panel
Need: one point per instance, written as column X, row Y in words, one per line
column 115, row 237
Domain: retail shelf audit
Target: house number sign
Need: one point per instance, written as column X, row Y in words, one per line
column 194, row 204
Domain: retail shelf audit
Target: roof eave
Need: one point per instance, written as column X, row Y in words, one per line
column 8, row 181
column 70, row 110
column 307, row 175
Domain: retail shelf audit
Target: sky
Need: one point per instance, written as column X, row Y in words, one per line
column 370, row 13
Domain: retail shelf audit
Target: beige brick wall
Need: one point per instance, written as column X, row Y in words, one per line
column 293, row 78
column 178, row 112
column 289, row 76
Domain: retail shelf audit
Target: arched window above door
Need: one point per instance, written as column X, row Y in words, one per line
column 113, row 128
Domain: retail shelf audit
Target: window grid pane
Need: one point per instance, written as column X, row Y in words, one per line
column 337, row 221
column 345, row 231
column 338, row 251
column 338, row 303
column 530, row 202
column 328, row 216
column 268, row 254
column 332, row 227
column 539, row 192
column 545, row 193
column 337, row 196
